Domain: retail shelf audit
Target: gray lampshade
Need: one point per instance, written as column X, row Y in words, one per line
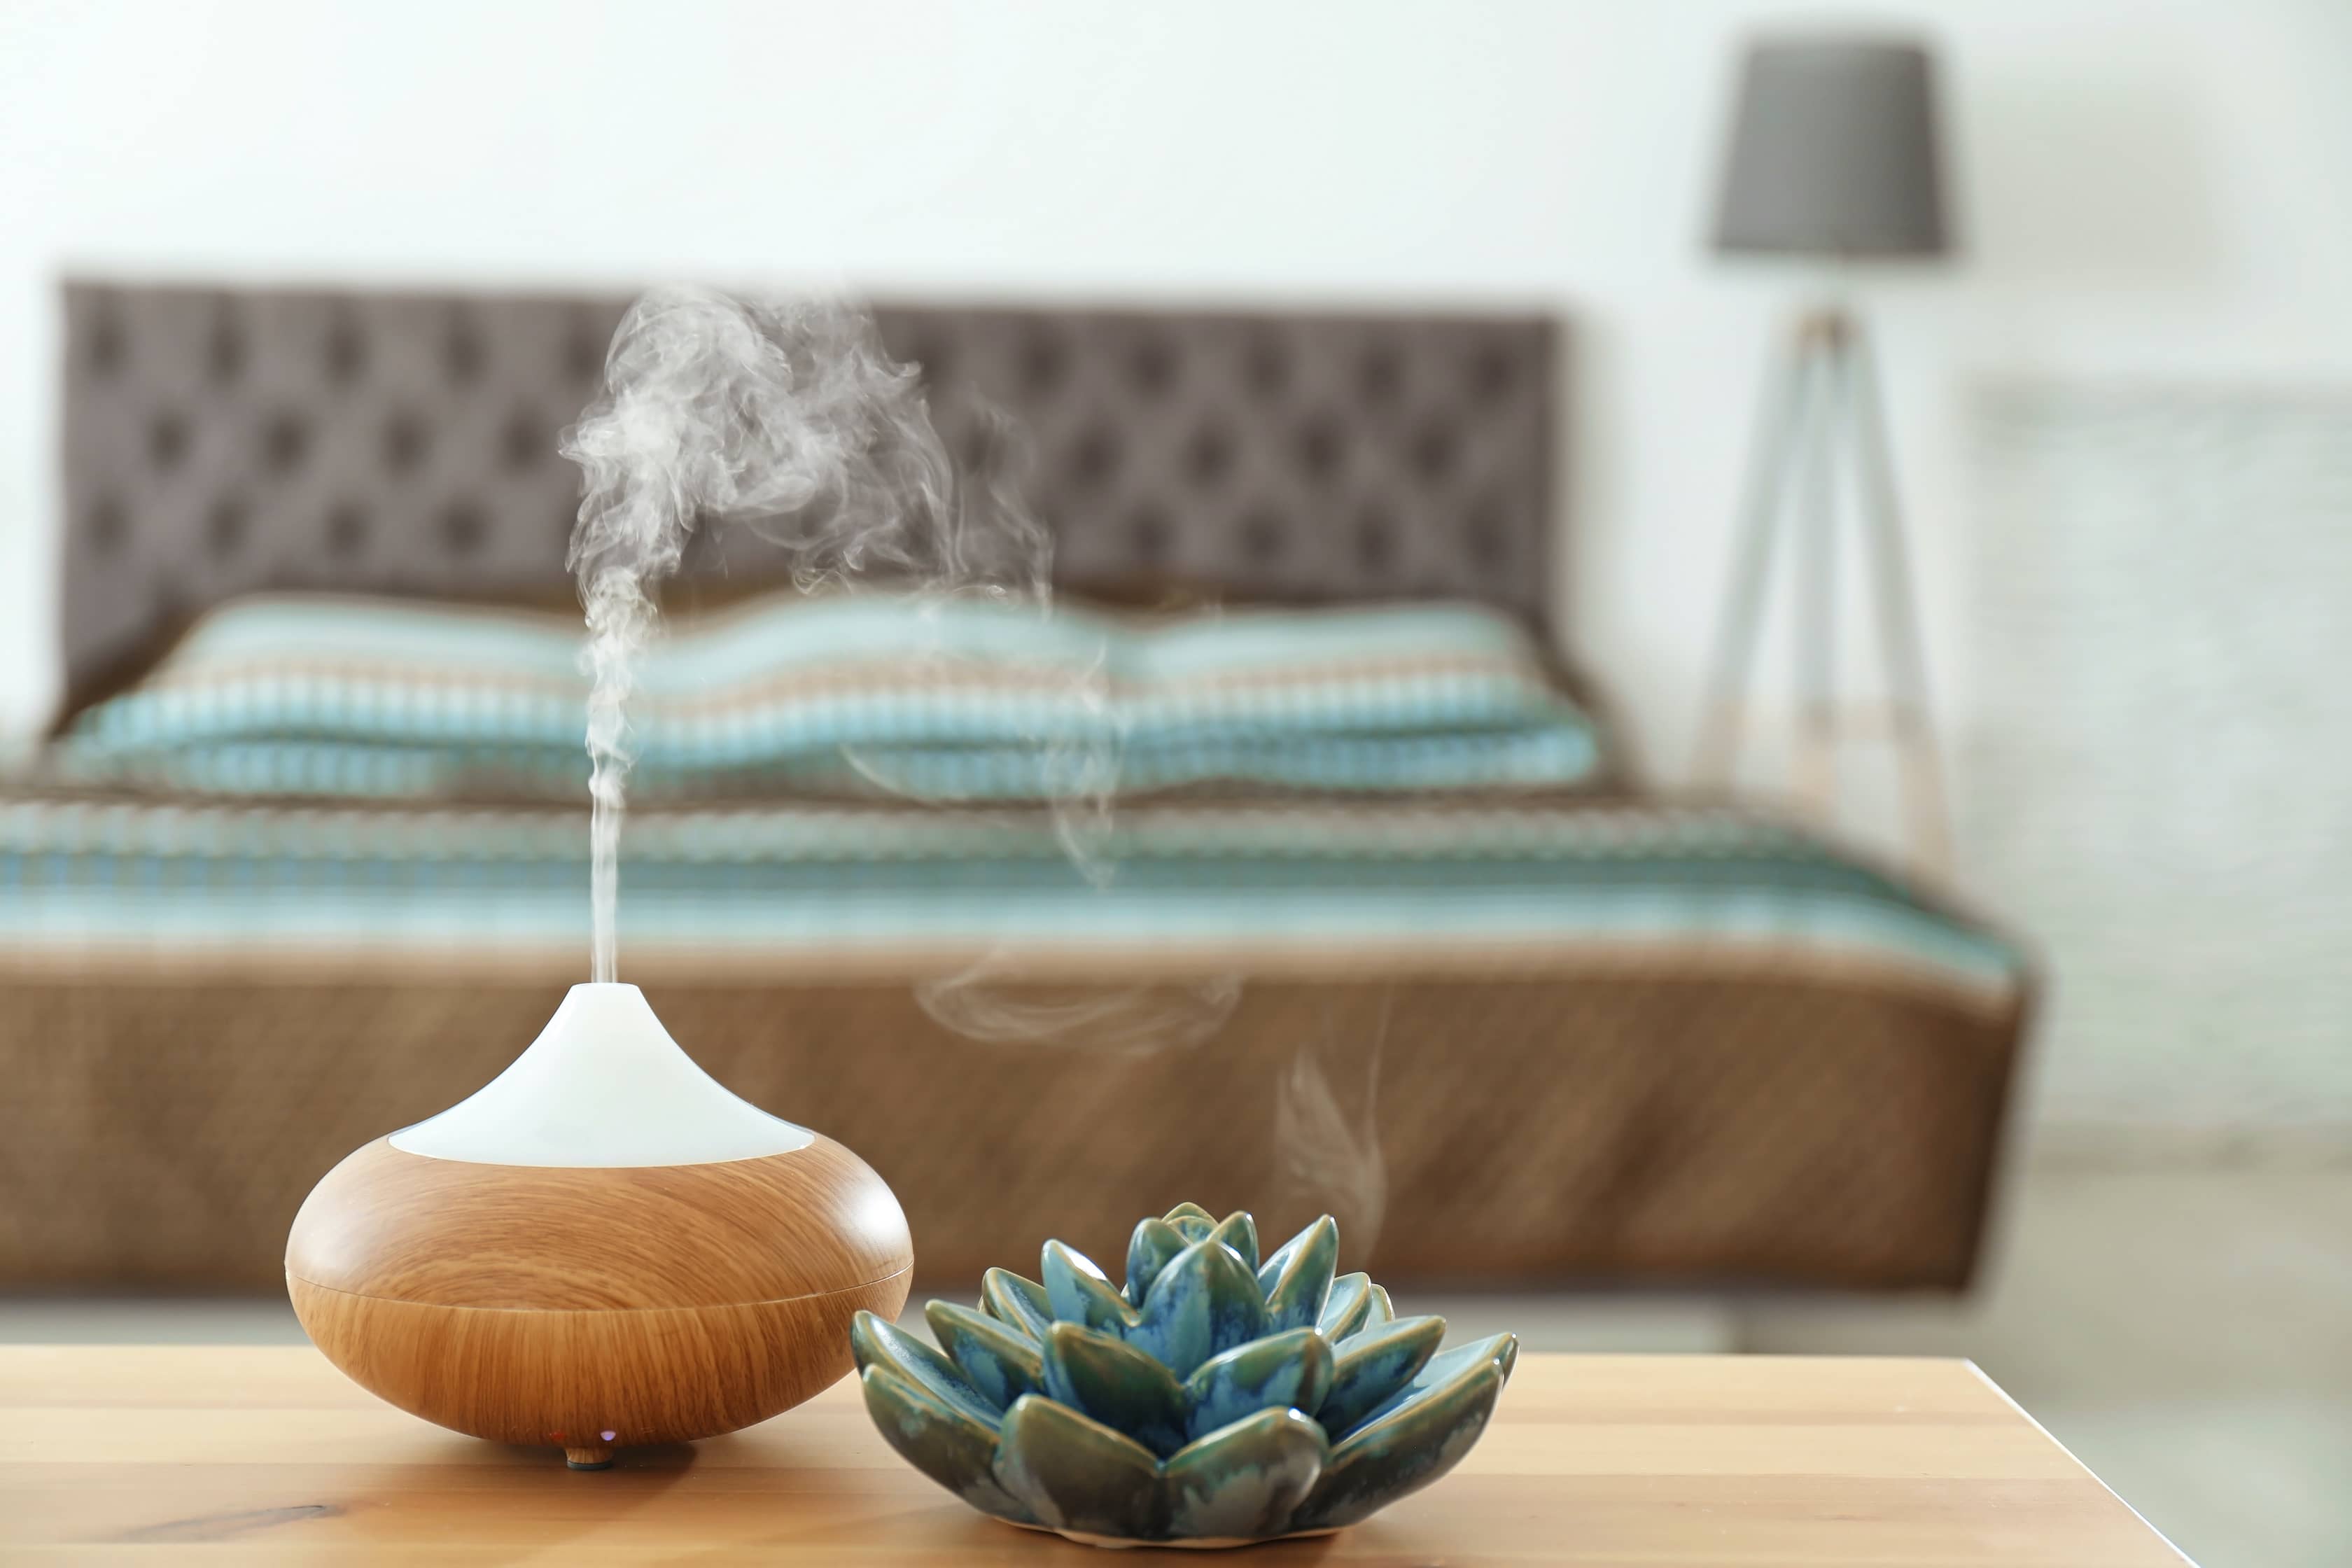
column 1833, row 152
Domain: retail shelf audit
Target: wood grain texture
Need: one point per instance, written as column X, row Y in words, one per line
column 264, row 1457
column 407, row 1228
column 589, row 1309
column 563, row 1379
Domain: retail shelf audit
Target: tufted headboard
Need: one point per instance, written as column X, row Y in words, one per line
column 218, row 442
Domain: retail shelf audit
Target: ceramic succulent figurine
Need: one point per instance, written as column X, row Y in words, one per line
column 1217, row 1400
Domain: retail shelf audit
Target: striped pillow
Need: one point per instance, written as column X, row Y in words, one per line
column 954, row 699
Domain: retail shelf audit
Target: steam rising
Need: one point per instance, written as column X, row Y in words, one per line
column 788, row 417
column 1329, row 1153
column 1123, row 1020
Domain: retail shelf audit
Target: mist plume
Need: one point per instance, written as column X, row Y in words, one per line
column 788, row 417
column 1328, row 1152
column 791, row 420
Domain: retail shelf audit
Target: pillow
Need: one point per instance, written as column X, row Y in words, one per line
column 938, row 698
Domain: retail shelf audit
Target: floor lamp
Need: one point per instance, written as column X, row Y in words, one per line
column 1834, row 156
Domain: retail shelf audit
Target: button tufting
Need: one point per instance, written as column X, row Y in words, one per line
column 584, row 350
column 225, row 351
column 524, row 443
column 462, row 352
column 1379, row 374
column 224, row 526
column 1263, row 536
column 1149, row 534
column 1094, row 458
column 1375, row 539
column 1384, row 456
column 1043, row 365
column 1491, row 373
column 347, row 529
column 1209, row 455
column 346, row 350
column 464, row 526
column 284, row 442
column 106, row 343
column 1319, row 444
column 1151, row 367
column 108, row 524
column 976, row 446
column 404, row 439
column 1486, row 532
column 167, row 441
column 1268, row 367
column 1433, row 451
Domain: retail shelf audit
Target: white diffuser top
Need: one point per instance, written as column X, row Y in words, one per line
column 602, row 1085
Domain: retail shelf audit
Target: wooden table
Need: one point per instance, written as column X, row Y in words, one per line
column 239, row 1456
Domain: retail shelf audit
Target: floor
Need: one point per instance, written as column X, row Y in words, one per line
column 2186, row 1332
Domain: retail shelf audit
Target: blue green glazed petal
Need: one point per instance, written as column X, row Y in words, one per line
column 1073, row 1473
column 1244, row 1481
column 1345, row 1308
column 1503, row 1350
column 1118, row 1386
column 1238, row 1230
column 877, row 1341
column 1371, row 1368
column 1204, row 1302
column 946, row 1443
column 1215, row 1399
column 1003, row 1363
column 1155, row 1241
column 1500, row 1350
column 1016, row 1301
column 1297, row 1279
column 1268, row 1268
column 1402, row 1451
column 1080, row 1293
column 1291, row 1370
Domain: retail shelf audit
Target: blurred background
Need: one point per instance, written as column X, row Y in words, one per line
column 2057, row 372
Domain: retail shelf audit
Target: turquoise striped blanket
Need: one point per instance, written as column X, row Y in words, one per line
column 836, row 779
column 1244, row 883
column 943, row 699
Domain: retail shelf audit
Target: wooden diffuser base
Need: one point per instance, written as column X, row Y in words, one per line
column 595, row 1308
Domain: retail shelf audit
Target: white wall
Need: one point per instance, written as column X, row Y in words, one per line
column 2147, row 186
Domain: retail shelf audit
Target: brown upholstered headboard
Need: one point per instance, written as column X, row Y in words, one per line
column 218, row 442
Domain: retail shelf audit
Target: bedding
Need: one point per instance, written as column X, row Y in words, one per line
column 942, row 699
column 326, row 866
column 1527, row 1038
column 1299, row 879
column 1371, row 928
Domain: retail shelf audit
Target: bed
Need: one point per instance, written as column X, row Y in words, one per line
column 1553, row 1032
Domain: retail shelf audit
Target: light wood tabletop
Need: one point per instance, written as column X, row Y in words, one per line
column 264, row 1456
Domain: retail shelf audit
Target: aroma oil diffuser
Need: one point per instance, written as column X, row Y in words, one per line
column 602, row 1247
